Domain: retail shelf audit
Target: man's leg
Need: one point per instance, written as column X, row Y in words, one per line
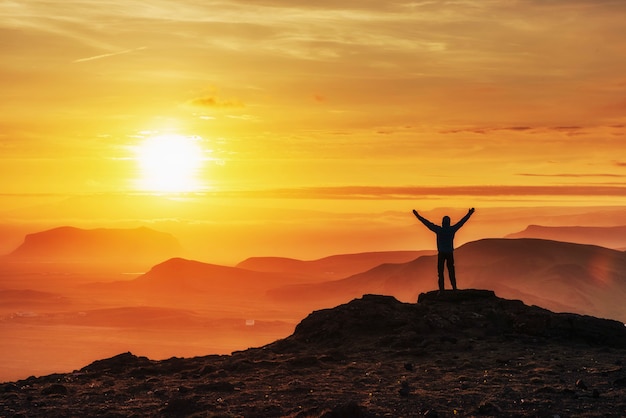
column 451, row 271
column 441, row 258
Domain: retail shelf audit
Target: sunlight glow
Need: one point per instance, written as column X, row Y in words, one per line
column 170, row 163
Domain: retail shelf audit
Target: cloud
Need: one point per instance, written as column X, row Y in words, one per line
column 485, row 130
column 531, row 129
column 574, row 175
column 215, row 102
column 112, row 54
column 427, row 192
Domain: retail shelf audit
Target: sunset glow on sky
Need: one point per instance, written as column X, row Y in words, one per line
column 163, row 162
column 328, row 99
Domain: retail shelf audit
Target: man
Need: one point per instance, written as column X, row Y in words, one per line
column 445, row 244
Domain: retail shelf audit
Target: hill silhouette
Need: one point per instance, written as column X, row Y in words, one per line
column 606, row 236
column 196, row 284
column 561, row 276
column 196, row 275
column 462, row 353
column 101, row 245
column 331, row 267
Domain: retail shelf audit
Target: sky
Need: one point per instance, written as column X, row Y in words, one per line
column 308, row 128
column 463, row 101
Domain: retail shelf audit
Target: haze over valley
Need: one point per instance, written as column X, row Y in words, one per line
column 72, row 295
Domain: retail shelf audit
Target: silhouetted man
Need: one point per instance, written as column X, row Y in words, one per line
column 445, row 243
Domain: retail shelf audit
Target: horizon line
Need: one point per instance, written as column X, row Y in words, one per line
column 362, row 192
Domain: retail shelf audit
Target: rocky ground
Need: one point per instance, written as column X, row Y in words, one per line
column 464, row 353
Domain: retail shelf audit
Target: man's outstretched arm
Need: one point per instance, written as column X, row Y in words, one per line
column 460, row 223
column 425, row 221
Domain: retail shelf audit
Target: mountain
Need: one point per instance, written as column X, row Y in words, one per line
column 102, row 245
column 180, row 282
column 560, row 276
column 465, row 353
column 179, row 274
column 605, row 236
column 332, row 267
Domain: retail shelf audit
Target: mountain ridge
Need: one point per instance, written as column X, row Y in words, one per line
column 369, row 317
column 606, row 236
column 330, row 267
column 581, row 278
column 72, row 244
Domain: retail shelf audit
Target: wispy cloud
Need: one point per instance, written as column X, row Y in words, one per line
column 575, row 175
column 531, row 129
column 215, row 102
column 112, row 54
column 410, row 193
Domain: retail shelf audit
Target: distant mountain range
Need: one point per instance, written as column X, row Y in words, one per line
column 190, row 284
column 606, row 236
column 178, row 277
column 332, row 267
column 102, row 245
column 202, row 285
column 561, row 276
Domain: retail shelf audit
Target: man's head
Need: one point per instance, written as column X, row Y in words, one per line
column 445, row 221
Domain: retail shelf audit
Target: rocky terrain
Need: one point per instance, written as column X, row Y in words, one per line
column 464, row 353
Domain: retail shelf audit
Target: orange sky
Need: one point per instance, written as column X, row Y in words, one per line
column 489, row 101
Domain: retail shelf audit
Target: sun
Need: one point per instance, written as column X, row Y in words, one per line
column 170, row 163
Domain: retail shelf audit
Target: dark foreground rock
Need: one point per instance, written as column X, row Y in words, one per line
column 465, row 353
